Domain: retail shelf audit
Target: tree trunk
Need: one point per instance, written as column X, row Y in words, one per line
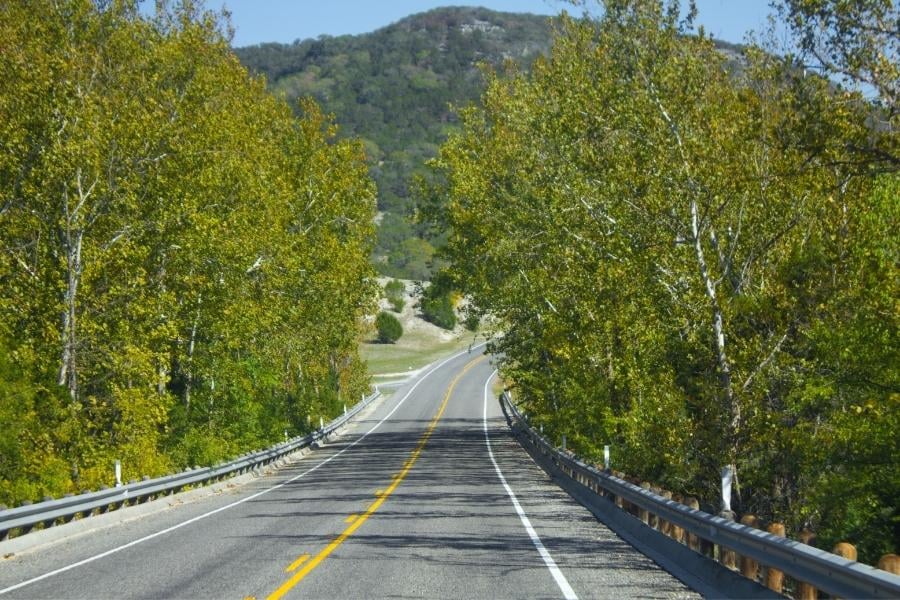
column 730, row 402
column 189, row 372
column 68, row 375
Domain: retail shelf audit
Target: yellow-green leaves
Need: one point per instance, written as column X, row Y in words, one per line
column 180, row 253
column 666, row 247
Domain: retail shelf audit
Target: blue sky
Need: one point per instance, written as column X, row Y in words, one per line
column 258, row 21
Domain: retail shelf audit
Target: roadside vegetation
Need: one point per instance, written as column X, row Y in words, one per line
column 184, row 260
column 389, row 328
column 696, row 265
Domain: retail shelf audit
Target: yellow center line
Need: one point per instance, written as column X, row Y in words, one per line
column 309, row 566
column 293, row 566
column 351, row 518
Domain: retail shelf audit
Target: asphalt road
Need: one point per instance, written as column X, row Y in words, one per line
column 427, row 495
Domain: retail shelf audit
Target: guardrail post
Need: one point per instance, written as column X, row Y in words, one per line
column 806, row 591
column 620, row 502
column 118, row 473
column 678, row 532
column 643, row 514
column 606, row 464
column 749, row 567
column 890, row 563
column 692, row 539
column 845, row 550
column 655, row 522
column 774, row 577
column 345, row 406
column 727, row 556
column 664, row 526
column 321, row 423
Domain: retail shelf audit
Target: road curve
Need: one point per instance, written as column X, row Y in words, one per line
column 427, row 496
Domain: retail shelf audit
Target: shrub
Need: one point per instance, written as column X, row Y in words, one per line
column 393, row 291
column 439, row 310
column 389, row 328
column 472, row 321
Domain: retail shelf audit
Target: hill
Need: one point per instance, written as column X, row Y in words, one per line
column 395, row 89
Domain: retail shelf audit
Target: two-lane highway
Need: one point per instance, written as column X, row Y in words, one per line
column 428, row 495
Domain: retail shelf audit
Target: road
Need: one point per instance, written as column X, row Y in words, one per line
column 425, row 496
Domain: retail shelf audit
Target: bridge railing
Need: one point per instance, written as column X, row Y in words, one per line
column 23, row 519
column 815, row 569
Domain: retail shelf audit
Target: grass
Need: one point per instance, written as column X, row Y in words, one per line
column 412, row 351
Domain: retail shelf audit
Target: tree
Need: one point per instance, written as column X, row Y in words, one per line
column 858, row 43
column 179, row 252
column 389, row 328
column 438, row 308
column 659, row 244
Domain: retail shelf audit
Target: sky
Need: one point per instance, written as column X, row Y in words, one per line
column 259, row 21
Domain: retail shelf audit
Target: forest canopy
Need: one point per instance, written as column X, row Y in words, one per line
column 184, row 259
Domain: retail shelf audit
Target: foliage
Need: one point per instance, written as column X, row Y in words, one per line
column 679, row 272
column 396, row 88
column 389, row 328
column 183, row 260
column 394, row 290
column 437, row 305
column 857, row 43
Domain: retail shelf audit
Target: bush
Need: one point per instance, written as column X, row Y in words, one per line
column 389, row 328
column 472, row 321
column 439, row 310
column 393, row 291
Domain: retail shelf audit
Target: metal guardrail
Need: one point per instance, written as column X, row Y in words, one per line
column 825, row 571
column 24, row 518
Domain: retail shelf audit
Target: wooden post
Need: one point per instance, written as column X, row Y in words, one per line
column 678, row 532
column 619, row 501
column 804, row 590
column 845, row 550
column 774, row 577
column 693, row 540
column 664, row 526
column 890, row 563
column 727, row 556
column 654, row 518
column 643, row 515
column 749, row 567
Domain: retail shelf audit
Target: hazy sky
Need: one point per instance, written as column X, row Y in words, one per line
column 258, row 21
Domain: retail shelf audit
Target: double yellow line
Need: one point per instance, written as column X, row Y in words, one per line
column 356, row 523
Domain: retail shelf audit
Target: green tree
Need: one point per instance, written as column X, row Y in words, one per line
column 180, row 252
column 659, row 244
column 389, row 328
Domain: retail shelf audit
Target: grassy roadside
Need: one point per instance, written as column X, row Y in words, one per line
column 412, row 351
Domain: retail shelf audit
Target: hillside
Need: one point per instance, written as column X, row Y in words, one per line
column 395, row 89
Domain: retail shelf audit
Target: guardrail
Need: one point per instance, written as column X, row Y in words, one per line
column 24, row 518
column 822, row 570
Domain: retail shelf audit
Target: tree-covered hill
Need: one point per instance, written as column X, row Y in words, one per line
column 395, row 88
column 398, row 89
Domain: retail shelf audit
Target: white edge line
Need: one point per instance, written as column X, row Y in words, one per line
column 242, row 500
column 558, row 576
